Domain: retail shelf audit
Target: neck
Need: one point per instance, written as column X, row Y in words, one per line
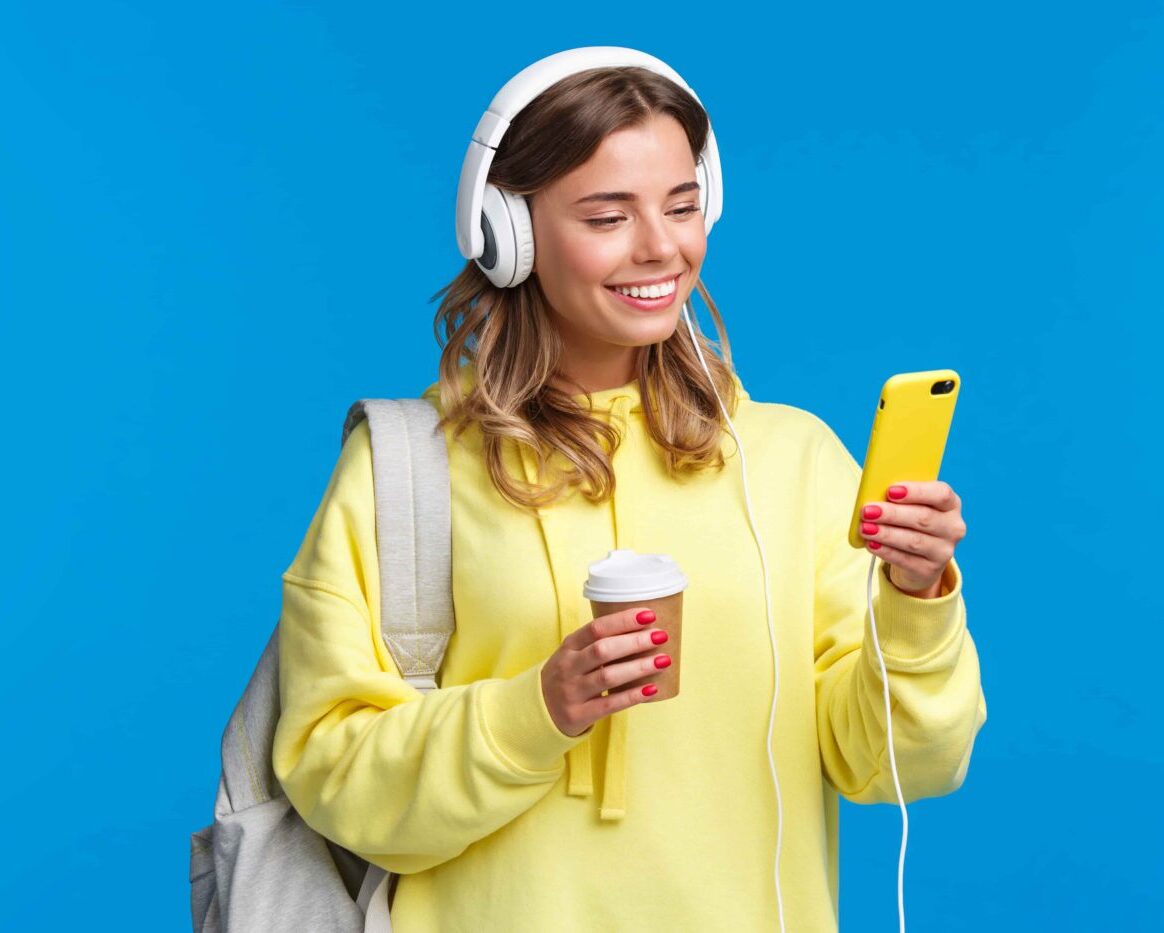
column 579, row 376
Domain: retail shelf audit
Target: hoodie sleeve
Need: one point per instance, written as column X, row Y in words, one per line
column 934, row 685
column 405, row 779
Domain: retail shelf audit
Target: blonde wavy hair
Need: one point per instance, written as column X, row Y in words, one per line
column 509, row 338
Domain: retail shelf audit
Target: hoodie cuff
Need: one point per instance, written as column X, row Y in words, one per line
column 519, row 725
column 915, row 632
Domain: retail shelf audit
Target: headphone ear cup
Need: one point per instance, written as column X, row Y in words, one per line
column 522, row 236
column 704, row 191
column 505, row 222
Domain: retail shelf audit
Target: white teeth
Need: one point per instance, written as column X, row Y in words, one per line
column 648, row 291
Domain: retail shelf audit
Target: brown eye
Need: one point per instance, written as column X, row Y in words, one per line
column 611, row 221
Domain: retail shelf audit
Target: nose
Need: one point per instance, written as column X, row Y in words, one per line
column 654, row 241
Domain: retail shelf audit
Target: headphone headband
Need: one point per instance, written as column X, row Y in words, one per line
column 523, row 88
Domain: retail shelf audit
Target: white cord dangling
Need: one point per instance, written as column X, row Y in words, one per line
column 892, row 757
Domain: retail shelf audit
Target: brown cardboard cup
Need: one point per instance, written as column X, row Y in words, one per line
column 626, row 580
column 669, row 618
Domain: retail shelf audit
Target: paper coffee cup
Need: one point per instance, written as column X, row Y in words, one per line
column 625, row 580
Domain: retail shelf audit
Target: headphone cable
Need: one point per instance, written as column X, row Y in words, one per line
column 776, row 670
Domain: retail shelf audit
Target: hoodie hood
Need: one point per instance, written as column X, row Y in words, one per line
column 622, row 408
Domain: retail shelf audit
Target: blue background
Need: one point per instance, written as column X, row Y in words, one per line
column 221, row 224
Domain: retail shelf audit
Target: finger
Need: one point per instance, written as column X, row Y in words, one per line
column 936, row 494
column 923, row 518
column 613, row 676
column 616, row 623
column 615, row 647
column 617, row 700
column 911, row 563
column 918, row 543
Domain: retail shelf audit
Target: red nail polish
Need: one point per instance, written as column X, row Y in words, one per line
column 646, row 617
column 871, row 511
column 658, row 637
column 868, row 528
column 662, row 661
column 874, row 544
column 650, row 690
column 897, row 492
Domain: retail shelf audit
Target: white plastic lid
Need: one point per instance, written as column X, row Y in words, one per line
column 624, row 576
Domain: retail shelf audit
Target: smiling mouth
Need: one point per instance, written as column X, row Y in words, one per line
column 646, row 303
column 642, row 289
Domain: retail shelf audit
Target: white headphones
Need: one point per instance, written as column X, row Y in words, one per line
column 493, row 225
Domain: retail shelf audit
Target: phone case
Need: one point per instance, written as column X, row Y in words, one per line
column 910, row 427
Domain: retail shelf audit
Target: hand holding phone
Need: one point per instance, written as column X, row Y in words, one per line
column 906, row 444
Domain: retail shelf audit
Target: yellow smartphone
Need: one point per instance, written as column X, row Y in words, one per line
column 909, row 434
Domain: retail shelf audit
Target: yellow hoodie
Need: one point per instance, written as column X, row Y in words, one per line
column 662, row 816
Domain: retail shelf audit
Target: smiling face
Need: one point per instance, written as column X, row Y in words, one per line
column 629, row 215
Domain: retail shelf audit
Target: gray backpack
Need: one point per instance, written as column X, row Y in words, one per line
column 259, row 866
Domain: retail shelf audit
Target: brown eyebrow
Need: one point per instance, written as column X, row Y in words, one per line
column 629, row 196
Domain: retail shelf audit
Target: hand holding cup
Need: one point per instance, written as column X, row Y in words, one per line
column 626, row 591
column 591, row 661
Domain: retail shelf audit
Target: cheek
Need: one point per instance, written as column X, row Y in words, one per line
column 694, row 246
column 589, row 260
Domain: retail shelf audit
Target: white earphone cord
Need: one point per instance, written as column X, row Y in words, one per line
column 776, row 669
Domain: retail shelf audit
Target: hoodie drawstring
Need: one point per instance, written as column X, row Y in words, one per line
column 613, row 805
column 569, row 572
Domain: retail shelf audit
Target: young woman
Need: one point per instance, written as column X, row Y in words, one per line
column 533, row 790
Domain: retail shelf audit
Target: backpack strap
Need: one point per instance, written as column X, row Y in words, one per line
column 410, row 470
column 248, row 776
column 259, row 865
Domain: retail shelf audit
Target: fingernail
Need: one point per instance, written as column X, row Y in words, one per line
column 650, row 690
column 646, row 617
column 658, row 637
column 871, row 511
column 874, row 544
column 897, row 492
column 662, row 661
column 868, row 528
